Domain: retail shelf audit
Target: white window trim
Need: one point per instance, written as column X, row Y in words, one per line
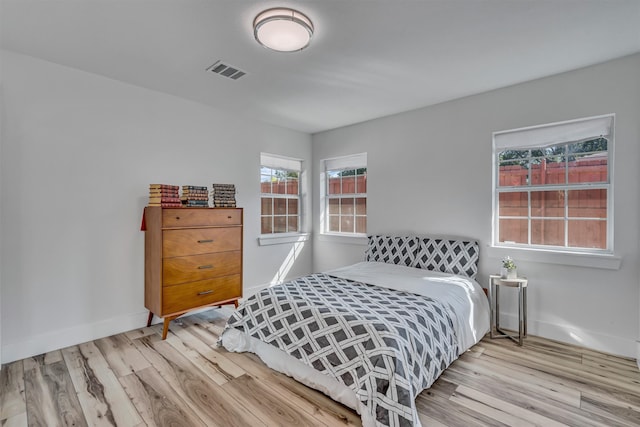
column 275, row 161
column 282, row 238
column 354, row 161
column 545, row 135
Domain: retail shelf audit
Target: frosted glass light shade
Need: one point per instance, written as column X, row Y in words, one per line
column 283, row 29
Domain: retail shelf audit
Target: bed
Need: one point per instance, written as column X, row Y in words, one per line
column 371, row 335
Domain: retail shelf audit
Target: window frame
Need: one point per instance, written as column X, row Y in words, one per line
column 566, row 187
column 353, row 162
column 285, row 165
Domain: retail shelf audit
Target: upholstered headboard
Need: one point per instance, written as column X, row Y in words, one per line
column 455, row 256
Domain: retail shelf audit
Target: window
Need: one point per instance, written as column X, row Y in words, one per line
column 279, row 194
column 345, row 195
column 553, row 186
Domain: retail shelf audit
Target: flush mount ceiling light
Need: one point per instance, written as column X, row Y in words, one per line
column 283, row 29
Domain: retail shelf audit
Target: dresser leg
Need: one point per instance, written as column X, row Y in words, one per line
column 165, row 328
column 149, row 319
column 235, row 303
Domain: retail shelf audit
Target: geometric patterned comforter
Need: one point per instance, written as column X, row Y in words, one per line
column 384, row 344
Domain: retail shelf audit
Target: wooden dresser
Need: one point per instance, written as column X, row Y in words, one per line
column 193, row 259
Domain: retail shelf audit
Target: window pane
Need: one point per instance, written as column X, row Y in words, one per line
column 346, row 224
column 588, row 234
column 590, row 203
column 267, row 208
column 547, row 170
column 348, row 184
column 361, row 182
column 591, row 146
column 293, row 206
column 589, row 168
column 513, row 174
column 514, row 230
column 333, row 186
column 292, row 186
column 361, row 206
column 334, row 223
column 278, row 186
column 334, row 206
column 548, row 204
column 361, row 224
column 293, row 224
column 266, row 225
column 280, row 224
column 265, row 184
column 265, row 171
column 547, row 232
column 514, row 204
column 346, row 206
column 280, row 206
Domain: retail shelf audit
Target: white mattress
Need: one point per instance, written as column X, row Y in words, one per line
column 464, row 295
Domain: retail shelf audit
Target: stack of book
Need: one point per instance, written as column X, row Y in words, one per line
column 167, row 196
column 224, row 195
column 195, row 196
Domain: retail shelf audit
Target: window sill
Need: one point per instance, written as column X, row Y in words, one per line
column 279, row 239
column 603, row 261
column 347, row 239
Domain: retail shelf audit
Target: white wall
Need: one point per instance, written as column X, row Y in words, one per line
column 429, row 172
column 78, row 153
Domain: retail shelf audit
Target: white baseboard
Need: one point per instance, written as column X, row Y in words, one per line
column 62, row 338
column 564, row 333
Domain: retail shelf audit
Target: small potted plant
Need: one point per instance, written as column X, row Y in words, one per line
column 509, row 269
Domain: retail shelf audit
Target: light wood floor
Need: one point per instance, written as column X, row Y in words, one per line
column 136, row 379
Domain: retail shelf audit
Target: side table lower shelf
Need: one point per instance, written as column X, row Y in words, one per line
column 495, row 282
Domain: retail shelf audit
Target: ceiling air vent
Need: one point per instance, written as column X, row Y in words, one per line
column 226, row 70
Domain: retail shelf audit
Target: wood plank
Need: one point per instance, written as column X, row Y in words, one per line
column 617, row 413
column 514, row 394
column 184, row 337
column 123, row 357
column 12, row 402
column 500, row 410
column 101, row 396
column 157, row 402
column 203, row 396
column 522, row 380
column 309, row 400
column 209, row 365
column 51, row 398
column 257, row 397
column 599, row 385
column 189, row 381
column 143, row 332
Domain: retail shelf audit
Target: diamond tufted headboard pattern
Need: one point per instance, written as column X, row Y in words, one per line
column 439, row 254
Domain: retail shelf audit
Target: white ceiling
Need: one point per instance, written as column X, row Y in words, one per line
column 368, row 58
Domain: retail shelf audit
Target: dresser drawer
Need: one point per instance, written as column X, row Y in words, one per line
column 200, row 217
column 194, row 241
column 195, row 294
column 199, row 267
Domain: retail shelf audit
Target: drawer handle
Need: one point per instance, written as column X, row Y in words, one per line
column 205, row 292
column 229, row 217
column 202, row 267
column 205, row 241
column 177, row 217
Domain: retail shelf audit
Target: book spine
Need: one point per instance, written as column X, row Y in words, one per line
column 164, row 199
column 164, row 186
column 167, row 204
